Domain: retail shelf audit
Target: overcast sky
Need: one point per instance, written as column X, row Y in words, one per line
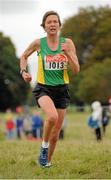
column 21, row 19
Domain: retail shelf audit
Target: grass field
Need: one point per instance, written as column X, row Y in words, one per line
column 78, row 156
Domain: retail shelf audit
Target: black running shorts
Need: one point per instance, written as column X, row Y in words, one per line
column 59, row 94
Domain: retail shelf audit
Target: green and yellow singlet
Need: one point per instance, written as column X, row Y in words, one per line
column 52, row 65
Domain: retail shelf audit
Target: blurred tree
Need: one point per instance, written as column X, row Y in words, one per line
column 96, row 83
column 13, row 90
column 90, row 31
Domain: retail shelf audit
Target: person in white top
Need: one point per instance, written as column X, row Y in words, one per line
column 97, row 116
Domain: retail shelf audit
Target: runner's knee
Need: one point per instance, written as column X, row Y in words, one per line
column 53, row 118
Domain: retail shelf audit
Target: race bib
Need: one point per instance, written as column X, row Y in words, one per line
column 55, row 62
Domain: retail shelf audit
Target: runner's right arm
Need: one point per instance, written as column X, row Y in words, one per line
column 34, row 46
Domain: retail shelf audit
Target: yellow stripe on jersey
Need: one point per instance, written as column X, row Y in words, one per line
column 40, row 73
column 66, row 77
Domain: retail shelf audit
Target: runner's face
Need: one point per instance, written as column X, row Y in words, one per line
column 52, row 25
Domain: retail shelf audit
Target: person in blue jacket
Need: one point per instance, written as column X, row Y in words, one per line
column 37, row 124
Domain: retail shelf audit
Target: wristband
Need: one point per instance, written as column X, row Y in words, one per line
column 22, row 70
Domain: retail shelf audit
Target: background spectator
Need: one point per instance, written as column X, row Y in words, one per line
column 37, row 124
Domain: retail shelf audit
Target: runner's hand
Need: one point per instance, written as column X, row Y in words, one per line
column 26, row 76
column 65, row 48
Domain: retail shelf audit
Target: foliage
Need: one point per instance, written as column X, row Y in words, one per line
column 73, row 88
column 13, row 90
column 90, row 31
column 96, row 82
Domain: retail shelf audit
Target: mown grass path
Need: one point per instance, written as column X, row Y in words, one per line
column 78, row 156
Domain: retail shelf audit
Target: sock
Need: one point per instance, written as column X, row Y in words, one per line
column 45, row 144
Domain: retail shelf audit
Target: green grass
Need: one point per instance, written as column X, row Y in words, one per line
column 78, row 156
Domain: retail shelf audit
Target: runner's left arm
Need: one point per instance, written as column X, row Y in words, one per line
column 70, row 51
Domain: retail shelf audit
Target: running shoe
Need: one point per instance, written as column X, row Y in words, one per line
column 48, row 165
column 43, row 158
